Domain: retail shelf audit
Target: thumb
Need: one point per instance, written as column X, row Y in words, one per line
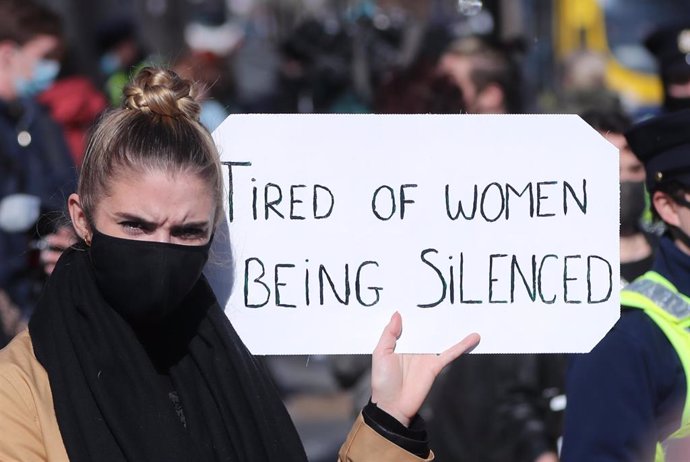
column 391, row 334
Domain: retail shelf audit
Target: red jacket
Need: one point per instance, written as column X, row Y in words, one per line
column 75, row 103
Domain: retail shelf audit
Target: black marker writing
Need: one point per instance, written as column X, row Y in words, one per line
column 498, row 200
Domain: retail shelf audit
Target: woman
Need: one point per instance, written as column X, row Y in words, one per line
column 129, row 357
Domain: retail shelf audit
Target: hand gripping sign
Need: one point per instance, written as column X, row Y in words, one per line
column 503, row 225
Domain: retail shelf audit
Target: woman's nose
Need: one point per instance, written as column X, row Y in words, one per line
column 163, row 236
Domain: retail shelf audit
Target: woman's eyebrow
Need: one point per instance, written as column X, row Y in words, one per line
column 132, row 217
column 193, row 224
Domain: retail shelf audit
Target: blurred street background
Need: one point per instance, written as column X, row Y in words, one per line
column 363, row 56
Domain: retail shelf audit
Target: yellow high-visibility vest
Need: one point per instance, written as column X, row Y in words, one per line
column 670, row 310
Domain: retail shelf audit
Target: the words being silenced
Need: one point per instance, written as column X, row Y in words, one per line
column 501, row 277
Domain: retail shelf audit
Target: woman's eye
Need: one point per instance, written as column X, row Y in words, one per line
column 191, row 233
column 133, row 227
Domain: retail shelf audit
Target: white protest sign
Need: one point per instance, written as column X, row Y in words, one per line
column 502, row 225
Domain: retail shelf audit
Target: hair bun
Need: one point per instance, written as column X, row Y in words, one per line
column 162, row 92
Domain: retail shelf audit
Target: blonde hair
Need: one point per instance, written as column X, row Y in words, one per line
column 156, row 129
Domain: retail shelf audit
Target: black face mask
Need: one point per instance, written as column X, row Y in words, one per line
column 632, row 206
column 145, row 282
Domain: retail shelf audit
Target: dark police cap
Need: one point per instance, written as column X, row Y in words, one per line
column 662, row 143
column 670, row 45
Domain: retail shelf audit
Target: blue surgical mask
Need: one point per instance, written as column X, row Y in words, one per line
column 110, row 62
column 44, row 74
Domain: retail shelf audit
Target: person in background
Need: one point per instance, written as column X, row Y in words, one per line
column 636, row 243
column 488, row 77
column 315, row 69
column 75, row 103
column 670, row 45
column 130, row 357
column 36, row 169
column 495, row 408
column 206, row 68
column 583, row 86
column 211, row 40
column 628, row 398
column 119, row 51
column 419, row 89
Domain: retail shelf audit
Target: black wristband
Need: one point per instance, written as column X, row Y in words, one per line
column 412, row 439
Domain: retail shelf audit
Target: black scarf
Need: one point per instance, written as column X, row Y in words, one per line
column 188, row 391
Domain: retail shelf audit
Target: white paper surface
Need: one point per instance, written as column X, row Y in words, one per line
column 533, row 269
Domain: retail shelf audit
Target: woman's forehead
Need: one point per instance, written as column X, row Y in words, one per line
column 157, row 194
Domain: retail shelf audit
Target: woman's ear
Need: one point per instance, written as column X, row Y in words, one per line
column 79, row 219
column 666, row 207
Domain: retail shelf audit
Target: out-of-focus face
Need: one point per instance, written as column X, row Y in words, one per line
column 674, row 214
column 459, row 69
column 490, row 99
column 631, row 169
column 40, row 47
column 22, row 62
column 679, row 89
column 152, row 206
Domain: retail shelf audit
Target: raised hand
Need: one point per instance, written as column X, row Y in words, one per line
column 401, row 382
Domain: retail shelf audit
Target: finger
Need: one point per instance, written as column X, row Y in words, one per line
column 391, row 334
column 48, row 255
column 55, row 240
column 454, row 352
column 66, row 231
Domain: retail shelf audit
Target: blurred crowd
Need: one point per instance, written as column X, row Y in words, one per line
column 367, row 58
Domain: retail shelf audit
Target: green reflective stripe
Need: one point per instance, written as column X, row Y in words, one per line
column 656, row 277
column 670, row 311
column 662, row 296
column 680, row 340
column 632, row 299
column 659, row 456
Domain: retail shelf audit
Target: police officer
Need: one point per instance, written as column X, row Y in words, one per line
column 628, row 398
column 670, row 45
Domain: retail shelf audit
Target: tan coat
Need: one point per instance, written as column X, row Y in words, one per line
column 29, row 431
